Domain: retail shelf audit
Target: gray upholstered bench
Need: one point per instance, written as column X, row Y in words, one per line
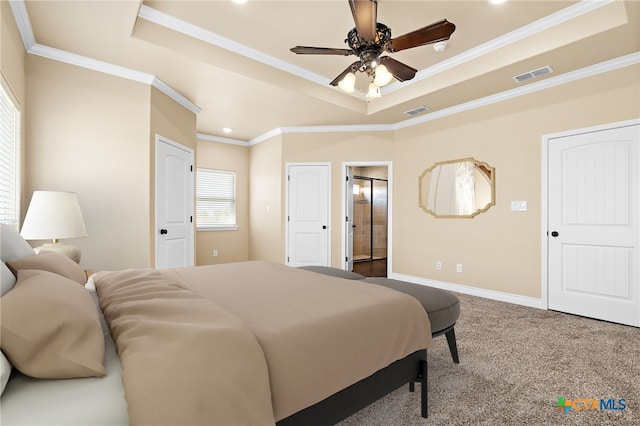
column 442, row 307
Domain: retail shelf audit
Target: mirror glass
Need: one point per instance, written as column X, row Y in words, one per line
column 458, row 188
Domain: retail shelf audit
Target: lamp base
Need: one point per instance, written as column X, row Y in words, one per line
column 72, row 252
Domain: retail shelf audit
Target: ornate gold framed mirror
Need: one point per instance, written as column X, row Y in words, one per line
column 461, row 188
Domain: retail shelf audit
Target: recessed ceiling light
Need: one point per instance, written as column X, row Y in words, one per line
column 227, row 129
column 497, row 1
column 240, row 1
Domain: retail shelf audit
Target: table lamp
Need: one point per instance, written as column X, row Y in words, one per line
column 54, row 215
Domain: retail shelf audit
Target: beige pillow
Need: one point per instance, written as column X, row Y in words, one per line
column 51, row 328
column 52, row 262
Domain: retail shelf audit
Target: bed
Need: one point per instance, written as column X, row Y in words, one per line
column 236, row 344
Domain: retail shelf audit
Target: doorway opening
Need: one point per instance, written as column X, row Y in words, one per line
column 370, row 221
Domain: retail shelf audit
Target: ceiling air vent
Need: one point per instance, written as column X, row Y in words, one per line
column 533, row 74
column 417, row 111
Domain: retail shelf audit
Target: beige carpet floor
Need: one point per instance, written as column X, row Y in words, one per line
column 515, row 362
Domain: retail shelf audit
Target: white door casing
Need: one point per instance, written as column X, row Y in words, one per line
column 174, row 233
column 593, row 224
column 349, row 220
column 308, row 213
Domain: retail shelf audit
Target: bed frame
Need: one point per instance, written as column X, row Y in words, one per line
column 411, row 369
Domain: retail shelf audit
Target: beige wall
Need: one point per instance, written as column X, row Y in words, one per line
column 88, row 133
column 266, row 212
column 12, row 53
column 232, row 246
column 335, row 148
column 499, row 250
column 173, row 121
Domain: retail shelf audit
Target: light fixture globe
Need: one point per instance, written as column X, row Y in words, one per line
column 382, row 76
column 348, row 83
column 374, row 91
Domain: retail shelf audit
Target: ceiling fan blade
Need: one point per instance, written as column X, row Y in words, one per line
column 365, row 15
column 433, row 33
column 306, row 50
column 399, row 70
column 345, row 72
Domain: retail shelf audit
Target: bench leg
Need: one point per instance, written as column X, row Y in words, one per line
column 453, row 347
column 424, row 398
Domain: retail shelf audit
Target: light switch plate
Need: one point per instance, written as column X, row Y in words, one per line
column 518, row 206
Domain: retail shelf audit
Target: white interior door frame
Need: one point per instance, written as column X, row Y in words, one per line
column 345, row 208
column 544, row 192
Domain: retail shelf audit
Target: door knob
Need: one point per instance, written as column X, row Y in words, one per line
column 324, row 226
column 163, row 231
column 555, row 234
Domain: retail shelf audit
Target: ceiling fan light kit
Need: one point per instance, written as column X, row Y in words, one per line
column 369, row 39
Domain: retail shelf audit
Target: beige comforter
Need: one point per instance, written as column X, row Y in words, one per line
column 249, row 343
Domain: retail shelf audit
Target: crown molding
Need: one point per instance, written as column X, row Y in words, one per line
column 26, row 32
column 175, row 95
column 212, row 138
column 557, row 18
column 592, row 70
column 28, row 39
column 21, row 17
column 163, row 19
column 160, row 18
column 89, row 63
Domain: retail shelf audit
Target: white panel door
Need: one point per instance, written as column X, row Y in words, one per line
column 349, row 221
column 594, row 231
column 308, row 215
column 174, row 205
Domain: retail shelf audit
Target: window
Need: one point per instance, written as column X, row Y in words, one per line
column 215, row 199
column 9, row 159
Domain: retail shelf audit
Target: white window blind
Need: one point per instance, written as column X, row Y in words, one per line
column 9, row 160
column 215, row 199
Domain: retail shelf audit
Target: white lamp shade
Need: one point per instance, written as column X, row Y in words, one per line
column 53, row 215
column 374, row 91
column 348, row 83
column 383, row 76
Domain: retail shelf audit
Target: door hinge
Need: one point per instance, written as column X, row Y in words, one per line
column 191, row 219
column 346, row 259
column 288, row 220
column 347, row 178
column 346, row 219
column 192, row 167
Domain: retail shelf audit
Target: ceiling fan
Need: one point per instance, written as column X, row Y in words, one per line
column 369, row 39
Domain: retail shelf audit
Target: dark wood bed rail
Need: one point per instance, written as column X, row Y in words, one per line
column 412, row 368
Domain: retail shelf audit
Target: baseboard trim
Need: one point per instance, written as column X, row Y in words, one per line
column 473, row 291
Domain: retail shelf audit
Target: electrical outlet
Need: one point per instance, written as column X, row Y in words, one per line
column 438, row 265
column 215, row 253
column 458, row 267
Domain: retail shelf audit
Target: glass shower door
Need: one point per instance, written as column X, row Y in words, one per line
column 362, row 219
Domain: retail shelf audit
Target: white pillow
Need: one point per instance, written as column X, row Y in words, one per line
column 5, row 371
column 7, row 279
column 12, row 245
